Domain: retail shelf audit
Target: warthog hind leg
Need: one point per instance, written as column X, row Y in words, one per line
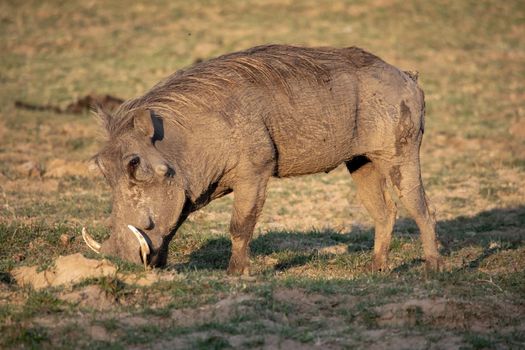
column 406, row 180
column 373, row 193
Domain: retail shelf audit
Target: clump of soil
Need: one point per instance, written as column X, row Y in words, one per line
column 29, row 169
column 147, row 278
column 336, row 249
column 57, row 168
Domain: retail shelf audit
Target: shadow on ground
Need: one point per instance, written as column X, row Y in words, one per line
column 505, row 226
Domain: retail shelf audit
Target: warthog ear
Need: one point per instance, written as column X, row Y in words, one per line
column 104, row 118
column 143, row 123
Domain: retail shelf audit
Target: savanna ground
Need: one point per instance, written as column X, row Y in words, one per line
column 311, row 286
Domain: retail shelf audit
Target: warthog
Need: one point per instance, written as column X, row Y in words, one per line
column 230, row 123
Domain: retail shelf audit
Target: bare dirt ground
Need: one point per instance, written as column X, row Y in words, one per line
column 311, row 286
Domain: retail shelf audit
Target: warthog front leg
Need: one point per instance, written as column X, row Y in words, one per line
column 248, row 201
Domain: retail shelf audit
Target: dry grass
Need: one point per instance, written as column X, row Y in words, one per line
column 311, row 286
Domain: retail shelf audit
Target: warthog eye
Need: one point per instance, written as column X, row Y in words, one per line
column 138, row 168
column 137, row 171
column 134, row 162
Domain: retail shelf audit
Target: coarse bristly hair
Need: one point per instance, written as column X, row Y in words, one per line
column 205, row 85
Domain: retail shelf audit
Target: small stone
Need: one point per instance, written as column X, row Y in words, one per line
column 494, row 245
column 65, row 239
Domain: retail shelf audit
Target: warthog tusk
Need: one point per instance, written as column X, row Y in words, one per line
column 91, row 243
column 144, row 247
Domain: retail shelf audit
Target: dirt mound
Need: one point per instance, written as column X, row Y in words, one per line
column 450, row 314
column 411, row 312
column 90, row 296
column 392, row 339
column 218, row 312
column 71, row 269
column 212, row 339
column 66, row 270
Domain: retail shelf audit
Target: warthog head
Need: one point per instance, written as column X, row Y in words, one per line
column 148, row 194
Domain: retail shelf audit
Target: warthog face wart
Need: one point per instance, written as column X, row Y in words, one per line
column 148, row 198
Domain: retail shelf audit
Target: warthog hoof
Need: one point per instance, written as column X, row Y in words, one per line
column 434, row 264
column 236, row 268
column 379, row 265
